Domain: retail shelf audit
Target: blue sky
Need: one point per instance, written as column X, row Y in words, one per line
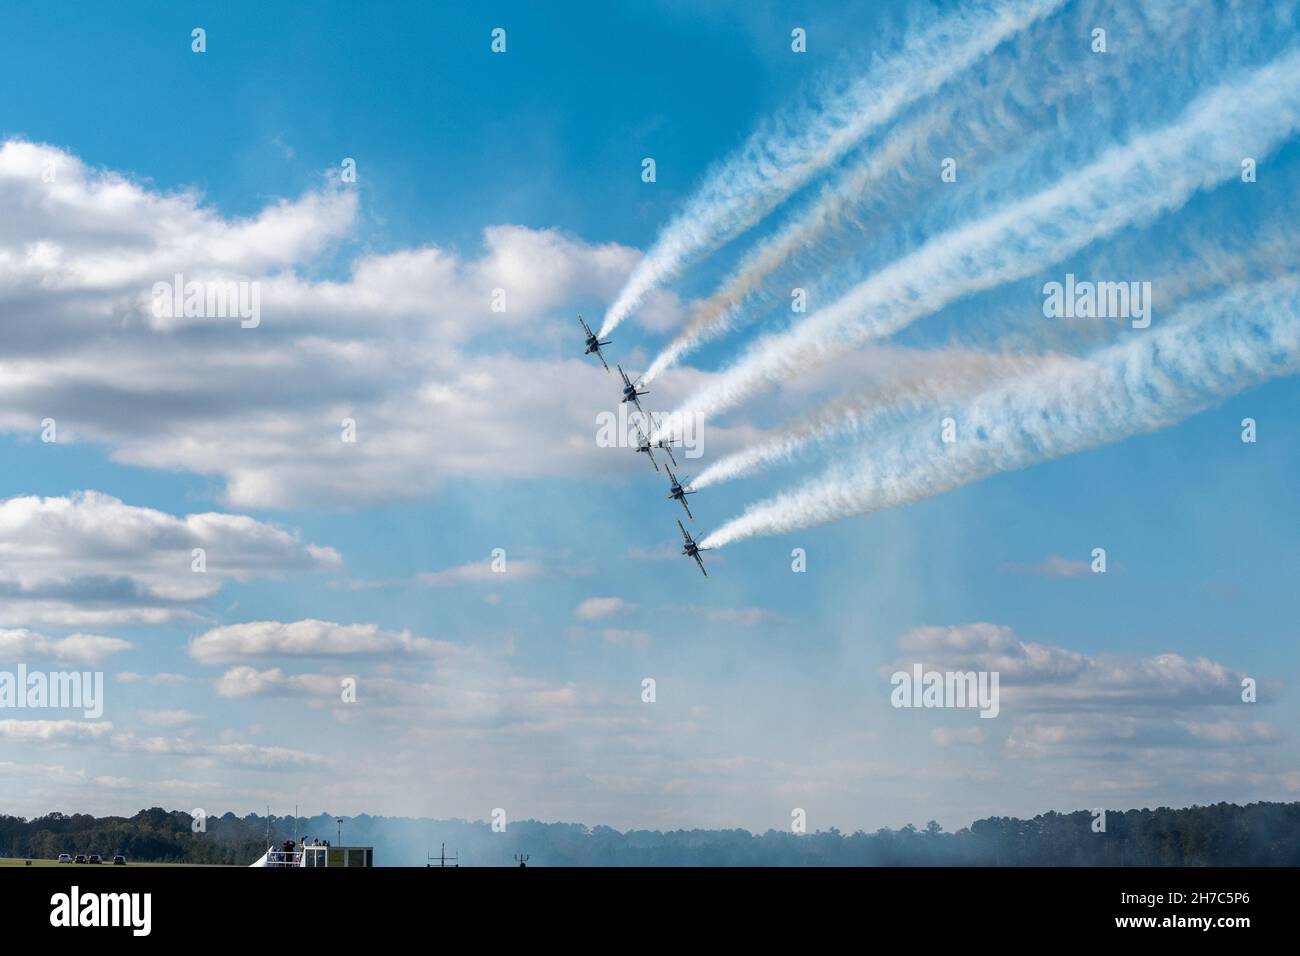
column 477, row 431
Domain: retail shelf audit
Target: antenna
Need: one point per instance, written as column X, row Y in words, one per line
column 442, row 860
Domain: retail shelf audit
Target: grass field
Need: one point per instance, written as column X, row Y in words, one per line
column 7, row 861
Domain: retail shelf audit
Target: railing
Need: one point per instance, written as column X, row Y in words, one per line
column 283, row 858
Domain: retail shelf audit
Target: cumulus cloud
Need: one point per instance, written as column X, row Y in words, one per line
column 1058, row 703
column 1102, row 735
column 245, row 681
column 238, row 753
column 20, row 643
column 397, row 344
column 176, row 717
column 958, row 736
column 477, row 572
column 53, row 731
column 1231, row 732
column 156, row 680
column 310, row 638
column 741, row 616
column 248, row 681
column 1053, row 566
column 254, row 755
column 626, row 637
column 469, row 698
column 98, row 231
column 92, row 559
column 1045, row 676
column 595, row 608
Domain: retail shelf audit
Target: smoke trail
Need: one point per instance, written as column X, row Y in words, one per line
column 952, row 374
column 1211, row 351
column 784, row 156
column 1128, row 184
column 944, row 376
column 892, row 169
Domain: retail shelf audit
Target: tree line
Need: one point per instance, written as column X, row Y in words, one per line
column 1224, row 834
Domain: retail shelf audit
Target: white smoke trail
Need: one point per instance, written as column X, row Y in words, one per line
column 995, row 113
column 951, row 374
column 1129, row 184
column 784, row 156
column 1210, row 351
column 942, row 376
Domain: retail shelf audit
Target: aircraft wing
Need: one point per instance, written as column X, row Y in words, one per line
column 601, row 356
column 683, row 527
column 688, row 509
column 700, row 562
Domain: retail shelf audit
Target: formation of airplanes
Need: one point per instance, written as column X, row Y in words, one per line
column 677, row 490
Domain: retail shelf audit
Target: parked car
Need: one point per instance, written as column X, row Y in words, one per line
column 65, row 857
column 81, row 858
column 94, row 858
column 119, row 860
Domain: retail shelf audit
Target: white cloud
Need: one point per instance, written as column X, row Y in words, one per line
column 1231, row 732
column 236, row 753
column 53, row 731
column 90, row 558
column 96, row 231
column 1093, row 709
column 73, row 649
column 41, row 771
column 245, row 681
column 254, row 755
column 400, row 344
column 625, row 637
column 477, row 572
column 1042, row 675
column 742, row 616
column 595, row 608
column 157, row 680
column 310, row 638
column 958, row 736
column 169, row 718
column 1054, row 566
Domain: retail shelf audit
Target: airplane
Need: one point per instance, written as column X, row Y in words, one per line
column 630, row 393
column 645, row 446
column 593, row 344
column 692, row 550
column 661, row 443
column 679, row 493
